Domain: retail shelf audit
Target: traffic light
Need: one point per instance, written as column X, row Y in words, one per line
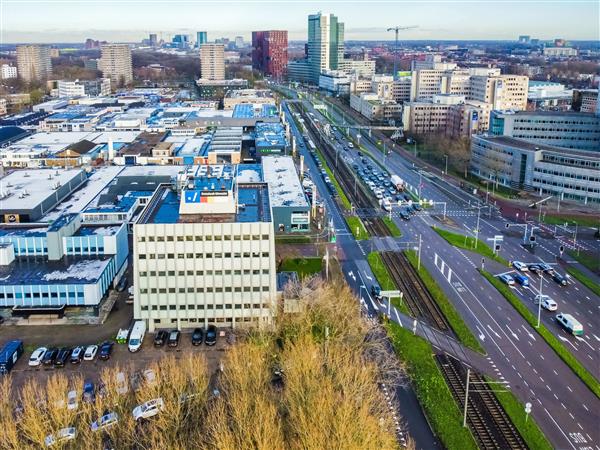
column 532, row 238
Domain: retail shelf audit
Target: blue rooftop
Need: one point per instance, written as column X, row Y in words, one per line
column 248, row 111
column 125, row 204
column 269, row 136
column 93, row 230
column 63, row 220
column 23, row 231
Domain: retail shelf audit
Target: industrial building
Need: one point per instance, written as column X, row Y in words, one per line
column 269, row 138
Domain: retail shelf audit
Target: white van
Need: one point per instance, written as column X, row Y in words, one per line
column 137, row 335
column 569, row 323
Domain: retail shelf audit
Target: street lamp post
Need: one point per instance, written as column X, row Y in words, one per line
column 419, row 255
column 446, row 158
column 540, row 302
column 477, row 227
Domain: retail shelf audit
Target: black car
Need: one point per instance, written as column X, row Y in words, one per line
column 105, row 350
column 197, row 336
column 173, row 340
column 559, row 279
column 404, row 216
column 161, row 338
column 406, row 197
column 122, row 285
column 376, row 292
column 360, row 154
column 49, row 356
column 417, row 207
column 62, row 357
column 211, row 335
column 535, row 268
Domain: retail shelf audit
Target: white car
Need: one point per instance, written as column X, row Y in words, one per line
column 148, row 409
column 36, row 357
column 122, row 385
column 63, row 435
column 90, row 352
column 520, row 266
column 106, row 421
column 547, row 302
column 72, row 400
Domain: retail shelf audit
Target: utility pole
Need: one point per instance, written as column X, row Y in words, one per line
column 540, row 301
column 477, row 227
column 419, row 258
column 396, row 29
column 466, row 398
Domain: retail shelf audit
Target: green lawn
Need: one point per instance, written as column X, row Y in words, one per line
column 430, row 386
column 591, row 260
column 592, row 222
column 459, row 327
column 385, row 280
column 585, row 280
column 550, row 339
column 468, row 243
column 357, row 228
column 293, row 239
column 394, row 230
column 529, row 430
column 304, row 266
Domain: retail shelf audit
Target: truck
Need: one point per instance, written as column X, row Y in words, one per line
column 397, row 182
column 570, row 324
column 9, row 354
column 136, row 337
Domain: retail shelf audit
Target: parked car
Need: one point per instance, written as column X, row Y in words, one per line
column 62, row 357
column 160, row 338
column 148, row 409
column 49, row 356
column 77, row 355
column 560, row 279
column 520, row 266
column 90, row 352
column 61, row 436
column 211, row 335
column 547, row 302
column 89, row 391
column 72, row 400
column 173, row 340
column 569, row 323
column 105, row 350
column 507, row 279
column 197, row 336
column 521, row 279
column 37, row 356
column 107, row 420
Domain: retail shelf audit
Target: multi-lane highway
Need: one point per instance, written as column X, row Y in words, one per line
column 563, row 406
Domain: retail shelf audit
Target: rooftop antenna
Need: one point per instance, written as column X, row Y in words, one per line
column 397, row 29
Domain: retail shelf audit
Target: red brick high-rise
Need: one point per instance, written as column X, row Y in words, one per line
column 269, row 52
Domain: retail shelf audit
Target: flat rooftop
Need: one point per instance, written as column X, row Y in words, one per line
column 250, row 110
column 284, row 184
column 40, row 271
column 249, row 93
column 269, row 135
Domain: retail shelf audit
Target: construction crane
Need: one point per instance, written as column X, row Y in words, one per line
column 397, row 29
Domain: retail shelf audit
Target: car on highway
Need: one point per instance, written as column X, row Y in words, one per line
column 570, row 324
column 560, row 279
column 506, row 279
column 37, row 357
column 376, row 292
column 173, row 340
column 62, row 357
column 535, row 268
column 547, row 302
column 417, row 207
column 105, row 350
column 77, row 355
column 520, row 266
column 521, row 279
column 60, row 437
column 148, row 409
column 107, row 420
column 547, row 268
column 404, row 215
column 90, row 353
column 197, row 336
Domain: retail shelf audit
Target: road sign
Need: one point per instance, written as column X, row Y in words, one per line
column 497, row 247
column 507, row 225
column 390, row 294
column 499, row 237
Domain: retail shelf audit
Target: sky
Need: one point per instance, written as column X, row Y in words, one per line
column 47, row 21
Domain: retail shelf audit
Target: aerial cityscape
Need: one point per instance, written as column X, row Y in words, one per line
column 300, row 225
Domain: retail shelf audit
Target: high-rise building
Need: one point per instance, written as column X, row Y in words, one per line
column 181, row 41
column 201, row 38
column 33, row 62
column 212, row 61
column 153, row 40
column 325, row 43
column 115, row 63
column 269, row 52
column 239, row 42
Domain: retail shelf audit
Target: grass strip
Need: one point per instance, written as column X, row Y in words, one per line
column 293, row 240
column 550, row 339
column 385, row 280
column 430, row 386
column 592, row 222
column 529, row 430
column 304, row 266
column 591, row 260
column 391, row 225
column 341, row 195
column 585, row 280
column 459, row 327
column 357, row 228
column 468, row 243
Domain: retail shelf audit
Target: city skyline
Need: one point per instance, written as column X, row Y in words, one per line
column 436, row 20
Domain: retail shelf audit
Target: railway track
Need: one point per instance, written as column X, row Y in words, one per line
column 347, row 179
column 416, row 296
column 486, row 418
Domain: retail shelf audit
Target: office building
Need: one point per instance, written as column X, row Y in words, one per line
column 587, row 100
column 204, row 252
column 503, row 92
column 239, row 42
column 543, row 169
column 524, row 39
column 181, row 41
column 212, row 61
column 358, row 67
column 560, row 52
column 33, row 62
column 574, row 130
column 84, row 88
column 115, row 63
column 3, row 108
column 336, row 82
column 464, row 120
column 432, row 62
column 201, row 38
column 153, row 40
column 325, row 43
column 423, row 117
column 269, row 52
column 545, row 95
column 247, row 96
column 8, row 71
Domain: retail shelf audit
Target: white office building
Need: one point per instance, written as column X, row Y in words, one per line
column 8, row 71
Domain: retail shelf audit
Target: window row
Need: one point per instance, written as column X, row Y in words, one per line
column 199, row 238
column 181, row 273
column 203, row 289
column 204, row 307
column 203, row 255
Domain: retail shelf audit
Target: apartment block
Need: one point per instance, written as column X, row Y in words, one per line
column 8, row 71
column 212, row 61
column 115, row 63
column 33, row 62
column 83, row 88
column 269, row 52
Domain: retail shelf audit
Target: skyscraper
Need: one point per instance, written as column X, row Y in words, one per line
column 201, row 38
column 115, row 63
column 269, row 52
column 33, row 62
column 212, row 61
column 239, row 41
column 325, row 43
column 153, row 40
